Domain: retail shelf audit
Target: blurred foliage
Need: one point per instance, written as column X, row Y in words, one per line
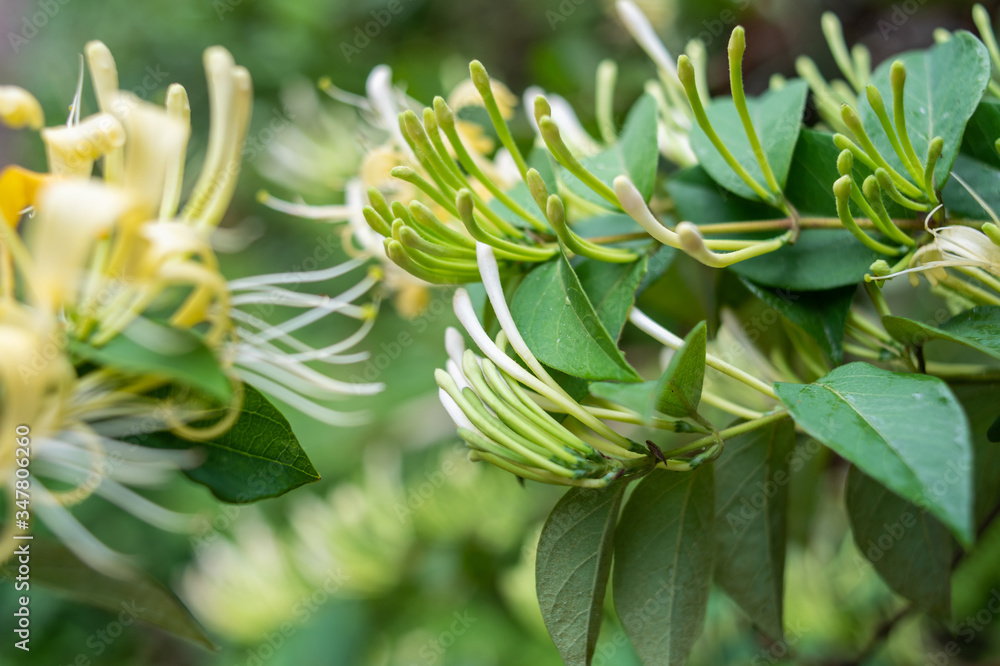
column 453, row 582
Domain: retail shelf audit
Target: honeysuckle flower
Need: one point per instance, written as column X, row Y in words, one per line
column 269, row 357
column 101, row 258
column 954, row 246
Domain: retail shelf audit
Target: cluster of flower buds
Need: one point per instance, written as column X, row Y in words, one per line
column 917, row 192
column 855, row 64
column 505, row 406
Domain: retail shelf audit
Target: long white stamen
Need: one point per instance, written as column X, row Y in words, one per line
column 84, row 544
column 303, row 277
column 307, row 353
column 127, row 499
column 307, row 407
column 301, row 377
column 332, row 213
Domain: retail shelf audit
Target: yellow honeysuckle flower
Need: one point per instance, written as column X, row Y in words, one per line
column 19, row 108
column 17, row 192
column 98, row 256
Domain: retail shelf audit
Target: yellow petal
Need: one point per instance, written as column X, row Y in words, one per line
column 72, row 215
column 17, row 191
column 19, row 108
column 156, row 141
column 72, row 150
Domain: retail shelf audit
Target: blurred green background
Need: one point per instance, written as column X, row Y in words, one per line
column 430, row 556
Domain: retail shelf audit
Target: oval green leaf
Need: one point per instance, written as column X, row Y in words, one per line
column 777, row 117
column 573, row 565
column 561, row 326
column 663, row 564
column 148, row 348
column 943, row 87
column 906, row 431
column 751, row 522
column 978, row 328
column 259, row 457
column 910, row 549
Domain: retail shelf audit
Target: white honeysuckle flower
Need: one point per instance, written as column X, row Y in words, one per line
column 953, row 246
column 245, row 584
column 675, row 119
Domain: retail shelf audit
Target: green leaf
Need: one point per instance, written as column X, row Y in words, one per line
column 982, row 132
column 680, row 386
column 943, row 87
column 777, row 117
column 676, row 393
column 259, row 457
column 611, row 289
column 573, row 565
column 978, row 328
column 664, row 549
column 700, row 199
column 149, row 348
column 635, row 153
column 751, row 521
column 814, row 171
column 56, row 567
column 982, row 178
column 821, row 259
column 562, row 328
column 911, row 550
column 821, row 314
column 639, row 397
column 906, row 431
column 982, row 406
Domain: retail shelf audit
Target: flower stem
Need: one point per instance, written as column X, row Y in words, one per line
column 742, row 428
